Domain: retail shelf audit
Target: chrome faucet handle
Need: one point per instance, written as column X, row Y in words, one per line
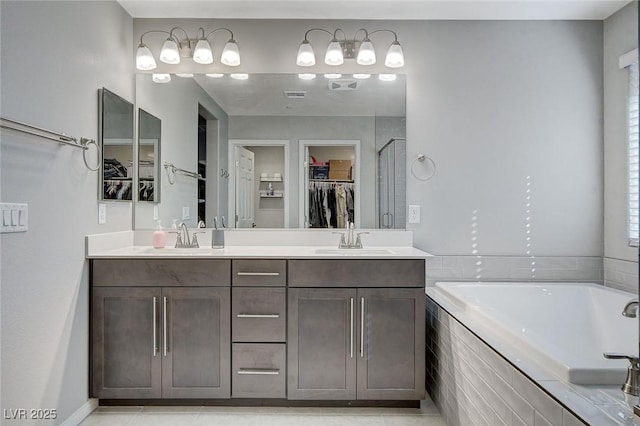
column 359, row 240
column 342, row 243
column 631, row 385
column 178, row 238
column 194, row 239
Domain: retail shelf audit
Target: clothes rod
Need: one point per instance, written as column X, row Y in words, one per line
column 172, row 170
column 60, row 138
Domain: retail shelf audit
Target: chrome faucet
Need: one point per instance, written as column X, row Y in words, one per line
column 183, row 240
column 631, row 385
column 631, row 309
column 350, row 242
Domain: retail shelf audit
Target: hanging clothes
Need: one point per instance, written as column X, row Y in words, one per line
column 341, row 202
column 331, row 204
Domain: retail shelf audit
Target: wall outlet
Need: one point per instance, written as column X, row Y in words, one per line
column 185, row 213
column 102, row 213
column 414, row 214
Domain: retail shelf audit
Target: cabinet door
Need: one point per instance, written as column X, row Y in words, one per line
column 391, row 350
column 321, row 343
column 196, row 344
column 125, row 341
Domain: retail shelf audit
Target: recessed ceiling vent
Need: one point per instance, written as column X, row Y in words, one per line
column 341, row 85
column 295, row 94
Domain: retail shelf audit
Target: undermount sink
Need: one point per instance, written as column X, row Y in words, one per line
column 171, row 250
column 354, row 252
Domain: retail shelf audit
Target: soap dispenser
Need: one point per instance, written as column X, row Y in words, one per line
column 159, row 237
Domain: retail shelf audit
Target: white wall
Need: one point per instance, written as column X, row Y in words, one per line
column 492, row 102
column 55, row 56
column 269, row 212
column 176, row 105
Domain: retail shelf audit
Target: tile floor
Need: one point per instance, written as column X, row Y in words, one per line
column 427, row 415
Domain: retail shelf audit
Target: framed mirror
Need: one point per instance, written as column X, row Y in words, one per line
column 116, row 139
column 149, row 136
column 207, row 118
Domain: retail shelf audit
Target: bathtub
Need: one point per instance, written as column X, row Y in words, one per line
column 564, row 327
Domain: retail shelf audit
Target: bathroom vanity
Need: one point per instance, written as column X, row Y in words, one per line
column 265, row 323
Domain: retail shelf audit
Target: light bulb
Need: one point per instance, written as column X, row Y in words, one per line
column 202, row 52
column 306, row 76
column 306, row 57
column 332, row 76
column 395, row 56
column 161, row 78
column 361, row 76
column 144, row 58
column 170, row 53
column 230, row 54
column 366, row 54
column 239, row 76
column 334, row 54
column 387, row 77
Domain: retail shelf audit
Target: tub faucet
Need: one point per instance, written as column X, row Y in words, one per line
column 631, row 309
column 631, row 385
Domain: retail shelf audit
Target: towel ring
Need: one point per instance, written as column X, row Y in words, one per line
column 421, row 158
column 85, row 142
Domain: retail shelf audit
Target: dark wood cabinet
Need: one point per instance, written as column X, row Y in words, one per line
column 356, row 343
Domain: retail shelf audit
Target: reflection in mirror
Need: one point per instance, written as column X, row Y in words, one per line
column 280, row 110
column 149, row 132
column 116, row 139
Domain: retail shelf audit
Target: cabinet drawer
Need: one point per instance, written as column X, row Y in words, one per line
column 259, row 314
column 259, row 272
column 258, row 370
column 356, row 273
column 165, row 272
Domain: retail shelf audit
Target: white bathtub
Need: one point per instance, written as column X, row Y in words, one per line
column 563, row 326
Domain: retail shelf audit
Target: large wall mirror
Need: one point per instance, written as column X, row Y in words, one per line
column 267, row 150
column 149, row 135
column 116, row 139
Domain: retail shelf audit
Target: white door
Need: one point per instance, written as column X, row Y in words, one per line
column 244, row 161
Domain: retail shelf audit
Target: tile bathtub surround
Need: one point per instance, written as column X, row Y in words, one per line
column 427, row 415
column 472, row 384
column 514, row 268
column 621, row 274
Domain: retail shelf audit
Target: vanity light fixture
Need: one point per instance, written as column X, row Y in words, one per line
column 361, row 49
column 306, row 76
column 161, row 78
column 174, row 48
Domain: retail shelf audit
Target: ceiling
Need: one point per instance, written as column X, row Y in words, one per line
column 375, row 9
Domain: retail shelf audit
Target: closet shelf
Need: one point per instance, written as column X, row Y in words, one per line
column 331, row 180
column 270, row 179
column 271, row 196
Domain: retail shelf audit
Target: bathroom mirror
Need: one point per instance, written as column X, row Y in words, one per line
column 205, row 118
column 149, row 136
column 116, row 140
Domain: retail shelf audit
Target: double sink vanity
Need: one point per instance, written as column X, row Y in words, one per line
column 291, row 324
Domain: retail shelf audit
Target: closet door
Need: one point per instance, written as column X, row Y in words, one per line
column 322, row 344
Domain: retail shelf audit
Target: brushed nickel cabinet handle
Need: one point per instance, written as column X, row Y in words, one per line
column 258, row 274
column 362, row 327
column 351, row 336
column 164, row 320
column 155, row 327
column 258, row 371
column 258, row 316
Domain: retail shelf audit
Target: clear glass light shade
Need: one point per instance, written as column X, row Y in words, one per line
column 184, row 74
column 215, row 75
column 361, row 76
column 334, row 54
column 202, row 52
column 230, row 54
column 366, row 54
column 387, row 77
column 306, row 76
column 395, row 56
column 331, row 76
column 170, row 53
column 161, row 78
column 306, row 57
column 144, row 58
column 239, row 76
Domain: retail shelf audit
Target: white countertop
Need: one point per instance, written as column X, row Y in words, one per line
column 262, row 252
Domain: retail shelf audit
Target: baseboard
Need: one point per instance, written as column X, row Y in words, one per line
column 81, row 413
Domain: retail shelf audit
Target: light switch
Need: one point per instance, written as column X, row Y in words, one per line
column 6, row 217
column 186, row 213
column 14, row 217
column 22, row 217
